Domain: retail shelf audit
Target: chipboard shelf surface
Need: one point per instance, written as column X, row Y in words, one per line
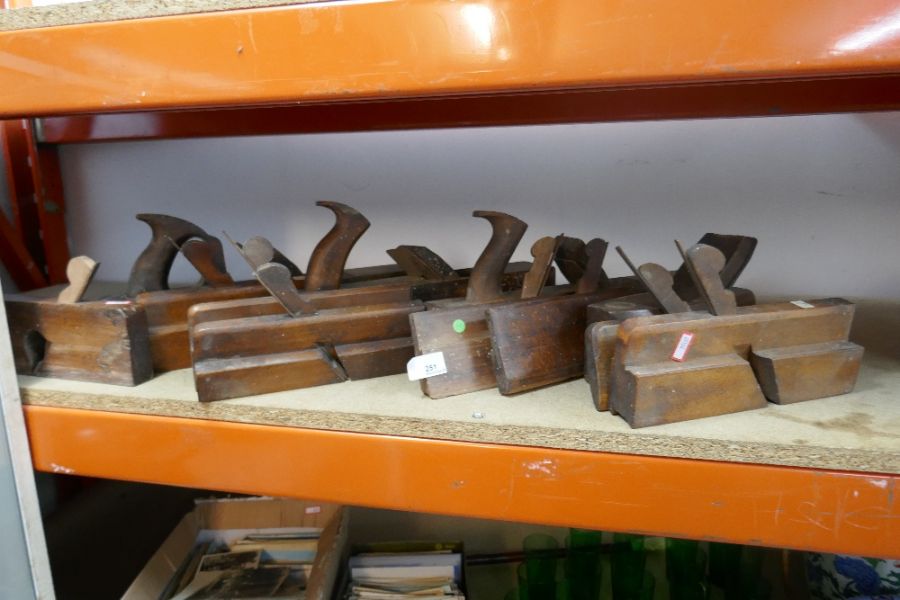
column 855, row 432
column 817, row 475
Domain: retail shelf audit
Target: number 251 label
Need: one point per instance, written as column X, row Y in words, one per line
column 426, row 365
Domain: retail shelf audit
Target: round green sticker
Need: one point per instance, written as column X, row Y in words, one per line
column 459, row 325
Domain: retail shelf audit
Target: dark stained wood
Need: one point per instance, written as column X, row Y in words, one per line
column 469, row 354
column 353, row 275
column 167, row 311
column 277, row 281
column 150, row 271
column 458, row 328
column 207, row 258
column 594, row 277
column 85, row 341
column 645, row 305
column 262, row 354
column 800, row 373
column 451, row 290
column 419, row 261
column 705, row 264
column 375, row 359
column 166, row 314
column 800, row 353
column 485, row 279
column 543, row 252
column 570, row 258
column 624, row 307
column 540, row 342
column 488, row 279
column 325, row 299
column 600, row 335
column 220, row 379
column 256, row 350
column 326, row 263
column 599, row 350
column 466, row 348
column 738, row 250
column 658, row 282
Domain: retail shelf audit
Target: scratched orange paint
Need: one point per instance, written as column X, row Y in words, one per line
column 755, row 504
column 363, row 50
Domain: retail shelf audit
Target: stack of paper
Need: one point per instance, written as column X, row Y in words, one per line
column 400, row 575
column 257, row 565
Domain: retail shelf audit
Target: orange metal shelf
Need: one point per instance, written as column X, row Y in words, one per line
column 752, row 504
column 396, row 49
column 373, row 64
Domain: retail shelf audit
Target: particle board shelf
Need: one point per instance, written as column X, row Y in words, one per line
column 819, row 475
column 27, row 16
column 856, row 432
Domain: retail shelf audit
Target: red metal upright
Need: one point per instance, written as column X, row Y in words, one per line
column 34, row 249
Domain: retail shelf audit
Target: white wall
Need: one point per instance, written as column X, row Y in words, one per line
column 820, row 193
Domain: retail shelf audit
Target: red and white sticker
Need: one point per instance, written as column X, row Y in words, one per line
column 682, row 347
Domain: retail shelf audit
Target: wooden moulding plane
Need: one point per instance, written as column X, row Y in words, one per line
column 676, row 367
column 418, row 273
column 459, row 330
column 58, row 334
column 540, row 342
column 251, row 346
column 242, row 348
column 124, row 339
column 167, row 308
column 666, row 293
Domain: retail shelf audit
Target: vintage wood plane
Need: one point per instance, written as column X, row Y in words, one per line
column 55, row 333
column 459, row 328
column 319, row 337
column 675, row 367
column 672, row 293
column 431, row 278
column 541, row 342
column 167, row 308
column 149, row 321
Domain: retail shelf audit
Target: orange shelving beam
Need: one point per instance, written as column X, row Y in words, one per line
column 401, row 49
column 856, row 513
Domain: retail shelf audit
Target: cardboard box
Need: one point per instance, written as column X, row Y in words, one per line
column 249, row 513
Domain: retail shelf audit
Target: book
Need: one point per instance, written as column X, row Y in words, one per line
column 402, row 572
column 406, row 571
